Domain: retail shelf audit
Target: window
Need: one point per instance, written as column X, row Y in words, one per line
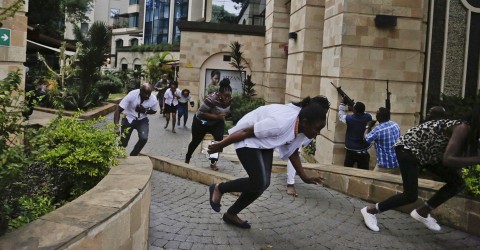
column 133, row 42
column 84, row 28
column 124, row 66
column 119, row 43
column 133, row 20
column 157, row 16
column 250, row 12
column 181, row 13
column 132, row 2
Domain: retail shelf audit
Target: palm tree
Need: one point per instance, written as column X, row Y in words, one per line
column 157, row 65
column 94, row 45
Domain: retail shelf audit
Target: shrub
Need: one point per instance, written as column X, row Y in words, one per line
column 83, row 151
column 13, row 159
column 472, row 179
column 241, row 105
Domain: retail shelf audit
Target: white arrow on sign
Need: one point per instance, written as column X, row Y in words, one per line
column 5, row 37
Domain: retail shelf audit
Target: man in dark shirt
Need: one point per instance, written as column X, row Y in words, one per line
column 355, row 144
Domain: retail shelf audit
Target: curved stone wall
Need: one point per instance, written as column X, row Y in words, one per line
column 115, row 214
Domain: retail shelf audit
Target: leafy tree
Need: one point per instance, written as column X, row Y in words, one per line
column 48, row 16
column 220, row 15
column 92, row 49
column 157, row 65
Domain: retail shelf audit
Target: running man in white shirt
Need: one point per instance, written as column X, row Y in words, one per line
column 135, row 106
column 283, row 127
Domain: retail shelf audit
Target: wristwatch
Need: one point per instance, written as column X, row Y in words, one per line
column 367, row 127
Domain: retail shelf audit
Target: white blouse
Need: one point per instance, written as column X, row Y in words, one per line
column 274, row 128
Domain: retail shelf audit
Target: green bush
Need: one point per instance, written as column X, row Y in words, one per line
column 241, row 105
column 13, row 159
column 31, row 208
column 83, row 150
column 472, row 179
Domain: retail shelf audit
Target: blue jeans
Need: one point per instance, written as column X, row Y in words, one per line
column 258, row 164
column 182, row 111
column 142, row 127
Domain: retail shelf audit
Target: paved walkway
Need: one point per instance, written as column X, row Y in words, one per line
column 319, row 218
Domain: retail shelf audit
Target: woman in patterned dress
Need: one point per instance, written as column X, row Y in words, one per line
column 443, row 147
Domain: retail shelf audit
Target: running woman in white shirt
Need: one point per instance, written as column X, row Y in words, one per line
column 283, row 127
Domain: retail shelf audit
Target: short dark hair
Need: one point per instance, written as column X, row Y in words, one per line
column 359, row 107
column 186, row 90
column 383, row 114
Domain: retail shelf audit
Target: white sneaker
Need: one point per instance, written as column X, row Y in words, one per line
column 370, row 220
column 430, row 222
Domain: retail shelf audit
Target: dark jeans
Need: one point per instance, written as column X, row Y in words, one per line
column 409, row 167
column 182, row 111
column 352, row 157
column 199, row 131
column 142, row 128
column 258, row 164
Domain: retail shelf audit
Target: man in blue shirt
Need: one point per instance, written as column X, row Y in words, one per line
column 385, row 134
column 355, row 144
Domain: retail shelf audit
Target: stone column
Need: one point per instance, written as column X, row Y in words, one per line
column 360, row 57
column 12, row 57
column 276, row 37
column 305, row 52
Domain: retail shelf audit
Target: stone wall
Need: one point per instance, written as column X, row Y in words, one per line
column 197, row 47
column 12, row 57
column 115, row 214
column 360, row 57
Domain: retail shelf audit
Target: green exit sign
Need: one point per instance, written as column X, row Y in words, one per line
column 5, row 35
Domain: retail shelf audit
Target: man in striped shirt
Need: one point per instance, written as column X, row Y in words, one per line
column 385, row 134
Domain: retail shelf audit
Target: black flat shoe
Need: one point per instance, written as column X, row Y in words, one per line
column 244, row 225
column 215, row 206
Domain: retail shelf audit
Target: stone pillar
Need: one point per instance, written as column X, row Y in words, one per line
column 305, row 52
column 276, row 37
column 12, row 57
column 360, row 57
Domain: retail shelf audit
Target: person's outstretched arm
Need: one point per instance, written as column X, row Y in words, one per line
column 297, row 164
column 235, row 137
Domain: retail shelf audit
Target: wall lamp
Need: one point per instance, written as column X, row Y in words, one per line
column 292, row 35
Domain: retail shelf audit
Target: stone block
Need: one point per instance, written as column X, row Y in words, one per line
column 89, row 242
column 359, row 187
column 380, row 193
column 473, row 220
column 337, row 182
column 117, row 231
column 136, row 216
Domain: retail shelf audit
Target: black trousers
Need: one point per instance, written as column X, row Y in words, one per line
column 409, row 167
column 199, row 131
column 362, row 159
column 258, row 164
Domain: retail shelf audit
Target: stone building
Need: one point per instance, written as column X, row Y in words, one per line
column 422, row 48
column 12, row 49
